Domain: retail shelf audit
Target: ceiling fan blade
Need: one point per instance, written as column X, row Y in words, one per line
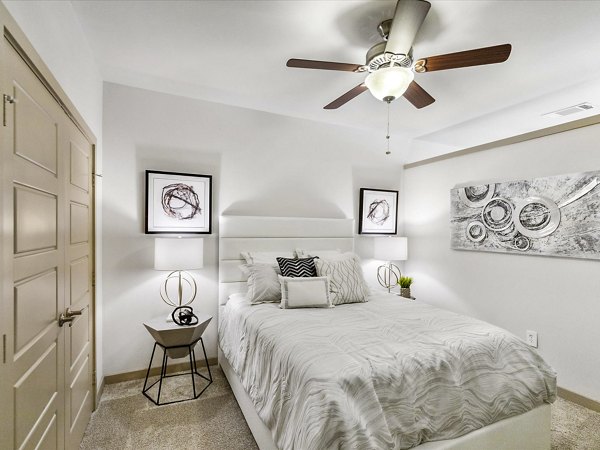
column 355, row 91
column 323, row 65
column 418, row 96
column 476, row 57
column 408, row 18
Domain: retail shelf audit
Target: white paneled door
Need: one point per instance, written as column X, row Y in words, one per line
column 46, row 388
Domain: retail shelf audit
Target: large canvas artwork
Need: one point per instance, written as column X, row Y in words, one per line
column 178, row 203
column 555, row 216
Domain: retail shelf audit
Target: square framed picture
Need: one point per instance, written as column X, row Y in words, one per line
column 178, row 203
column 378, row 211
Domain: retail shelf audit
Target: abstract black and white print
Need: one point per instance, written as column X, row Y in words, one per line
column 178, row 203
column 378, row 211
column 554, row 216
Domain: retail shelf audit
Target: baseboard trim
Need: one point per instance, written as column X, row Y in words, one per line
column 100, row 392
column 137, row 374
column 579, row 399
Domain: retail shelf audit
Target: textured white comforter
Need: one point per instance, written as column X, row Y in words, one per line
column 387, row 374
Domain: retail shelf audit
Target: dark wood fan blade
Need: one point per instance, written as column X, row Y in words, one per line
column 323, row 65
column 476, row 57
column 355, row 91
column 418, row 96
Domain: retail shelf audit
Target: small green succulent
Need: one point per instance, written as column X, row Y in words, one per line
column 405, row 282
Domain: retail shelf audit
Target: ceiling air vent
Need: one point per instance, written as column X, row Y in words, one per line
column 569, row 110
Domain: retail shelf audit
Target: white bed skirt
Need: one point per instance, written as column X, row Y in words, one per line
column 529, row 431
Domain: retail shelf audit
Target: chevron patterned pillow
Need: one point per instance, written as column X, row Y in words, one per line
column 302, row 267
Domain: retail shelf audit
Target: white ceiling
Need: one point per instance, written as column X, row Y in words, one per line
column 234, row 52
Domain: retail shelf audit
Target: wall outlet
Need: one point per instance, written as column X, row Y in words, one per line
column 532, row 339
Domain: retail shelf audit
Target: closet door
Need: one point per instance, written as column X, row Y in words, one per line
column 46, row 391
column 33, row 191
column 78, row 283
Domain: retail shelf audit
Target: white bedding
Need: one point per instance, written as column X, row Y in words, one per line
column 386, row 374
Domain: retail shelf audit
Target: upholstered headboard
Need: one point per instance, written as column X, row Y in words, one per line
column 257, row 233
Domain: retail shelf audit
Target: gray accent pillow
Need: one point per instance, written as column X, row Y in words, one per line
column 346, row 279
column 264, row 257
column 263, row 283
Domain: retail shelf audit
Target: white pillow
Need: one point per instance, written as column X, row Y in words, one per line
column 265, row 257
column 263, row 284
column 346, row 279
column 305, row 292
column 303, row 253
column 237, row 296
column 339, row 256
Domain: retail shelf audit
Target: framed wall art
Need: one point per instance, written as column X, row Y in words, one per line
column 178, row 203
column 378, row 211
column 551, row 216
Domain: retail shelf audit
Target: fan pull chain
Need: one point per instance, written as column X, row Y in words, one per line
column 387, row 137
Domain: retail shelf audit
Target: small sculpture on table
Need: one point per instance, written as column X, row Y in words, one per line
column 184, row 316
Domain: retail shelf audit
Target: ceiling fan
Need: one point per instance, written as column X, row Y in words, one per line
column 390, row 65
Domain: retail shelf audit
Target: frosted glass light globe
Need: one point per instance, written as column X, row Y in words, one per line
column 389, row 82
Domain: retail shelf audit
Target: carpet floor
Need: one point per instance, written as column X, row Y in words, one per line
column 126, row 420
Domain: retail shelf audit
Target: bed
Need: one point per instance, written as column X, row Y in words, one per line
column 388, row 373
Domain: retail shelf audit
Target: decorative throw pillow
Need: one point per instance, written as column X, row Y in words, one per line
column 328, row 254
column 304, row 267
column 346, row 280
column 305, row 292
column 263, row 284
column 264, row 257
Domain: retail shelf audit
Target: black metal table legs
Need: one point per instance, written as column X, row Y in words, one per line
column 163, row 372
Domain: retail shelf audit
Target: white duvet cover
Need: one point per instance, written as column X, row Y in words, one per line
column 386, row 374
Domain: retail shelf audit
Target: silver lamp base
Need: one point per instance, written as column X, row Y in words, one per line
column 388, row 275
column 182, row 278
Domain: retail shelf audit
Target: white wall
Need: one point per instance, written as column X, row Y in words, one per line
column 557, row 297
column 263, row 164
column 56, row 34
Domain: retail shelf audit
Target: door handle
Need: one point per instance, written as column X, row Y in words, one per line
column 7, row 99
column 68, row 316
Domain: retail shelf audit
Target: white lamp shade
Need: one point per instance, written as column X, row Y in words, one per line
column 178, row 254
column 389, row 82
column 391, row 249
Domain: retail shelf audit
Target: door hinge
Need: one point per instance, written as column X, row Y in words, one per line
column 94, row 378
column 7, row 99
column 3, row 349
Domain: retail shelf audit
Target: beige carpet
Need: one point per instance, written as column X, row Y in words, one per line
column 126, row 420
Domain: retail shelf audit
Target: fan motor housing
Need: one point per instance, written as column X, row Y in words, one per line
column 377, row 58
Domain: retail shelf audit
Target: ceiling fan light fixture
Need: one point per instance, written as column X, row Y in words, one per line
column 389, row 83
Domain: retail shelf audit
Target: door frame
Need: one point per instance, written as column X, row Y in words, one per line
column 15, row 37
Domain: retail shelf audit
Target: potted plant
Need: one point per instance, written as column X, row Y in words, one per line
column 405, row 283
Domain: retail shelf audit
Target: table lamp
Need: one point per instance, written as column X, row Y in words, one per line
column 178, row 255
column 390, row 249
